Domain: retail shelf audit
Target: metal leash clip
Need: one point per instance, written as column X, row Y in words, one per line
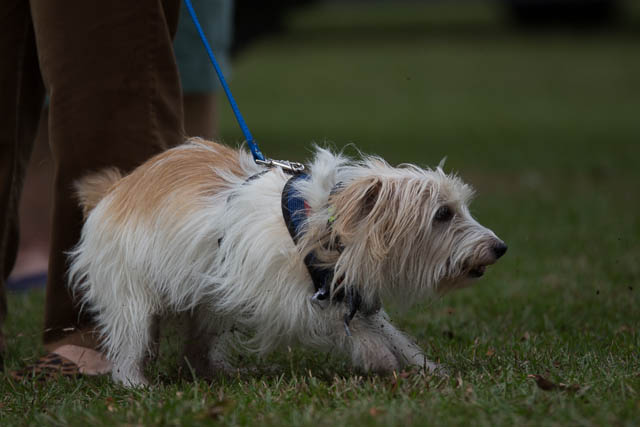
column 293, row 167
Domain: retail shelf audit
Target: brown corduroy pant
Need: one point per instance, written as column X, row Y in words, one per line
column 114, row 100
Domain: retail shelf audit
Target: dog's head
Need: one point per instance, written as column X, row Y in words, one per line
column 406, row 230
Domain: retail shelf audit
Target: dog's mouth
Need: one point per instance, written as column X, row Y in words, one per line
column 475, row 268
column 477, row 271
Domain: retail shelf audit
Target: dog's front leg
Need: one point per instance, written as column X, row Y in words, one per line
column 368, row 347
column 403, row 350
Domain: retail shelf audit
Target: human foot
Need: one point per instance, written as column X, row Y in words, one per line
column 65, row 361
column 88, row 361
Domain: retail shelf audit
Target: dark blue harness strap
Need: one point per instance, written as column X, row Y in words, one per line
column 293, row 209
column 294, row 214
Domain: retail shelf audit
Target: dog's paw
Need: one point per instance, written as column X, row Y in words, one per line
column 437, row 369
column 129, row 380
column 422, row 364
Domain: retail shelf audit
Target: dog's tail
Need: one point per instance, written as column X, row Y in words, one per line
column 92, row 188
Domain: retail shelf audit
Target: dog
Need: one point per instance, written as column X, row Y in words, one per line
column 202, row 229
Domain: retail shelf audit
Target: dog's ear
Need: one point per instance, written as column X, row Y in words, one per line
column 371, row 196
column 354, row 204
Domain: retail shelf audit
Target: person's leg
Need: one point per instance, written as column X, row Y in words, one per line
column 21, row 95
column 35, row 206
column 199, row 82
column 200, row 115
column 115, row 100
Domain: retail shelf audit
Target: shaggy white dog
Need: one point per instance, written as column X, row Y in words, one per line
column 200, row 229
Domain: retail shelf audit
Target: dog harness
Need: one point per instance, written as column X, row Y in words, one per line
column 295, row 211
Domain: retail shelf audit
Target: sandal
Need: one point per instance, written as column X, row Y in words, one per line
column 51, row 366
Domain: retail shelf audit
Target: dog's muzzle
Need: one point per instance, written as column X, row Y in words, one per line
column 498, row 249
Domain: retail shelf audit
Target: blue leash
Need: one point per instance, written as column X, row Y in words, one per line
column 258, row 157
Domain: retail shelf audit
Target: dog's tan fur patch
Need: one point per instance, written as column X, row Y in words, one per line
column 176, row 179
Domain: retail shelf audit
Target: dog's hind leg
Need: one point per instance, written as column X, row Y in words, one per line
column 128, row 335
column 206, row 344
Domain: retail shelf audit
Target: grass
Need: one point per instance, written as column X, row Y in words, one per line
column 545, row 126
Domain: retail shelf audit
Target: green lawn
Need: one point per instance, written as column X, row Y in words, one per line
column 547, row 129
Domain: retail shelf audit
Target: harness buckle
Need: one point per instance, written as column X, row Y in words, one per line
column 321, row 298
column 286, row 165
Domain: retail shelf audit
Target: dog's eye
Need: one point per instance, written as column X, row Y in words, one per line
column 444, row 213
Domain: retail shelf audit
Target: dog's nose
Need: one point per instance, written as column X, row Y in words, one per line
column 499, row 249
